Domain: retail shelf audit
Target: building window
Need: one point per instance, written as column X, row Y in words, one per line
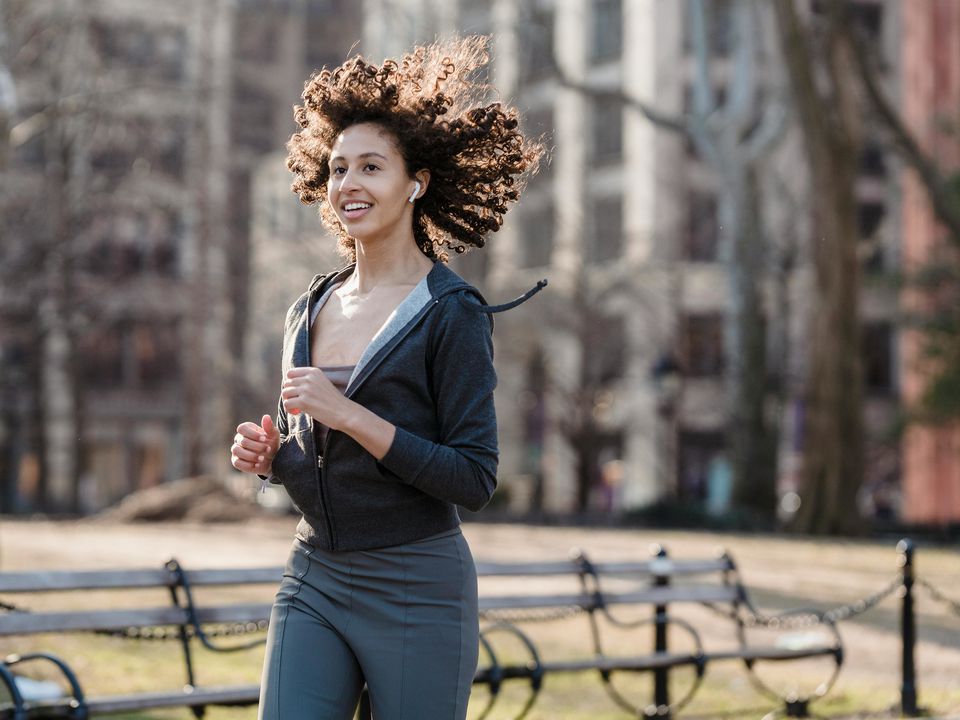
column 536, row 60
column 719, row 28
column 329, row 42
column 170, row 147
column 605, row 236
column 701, row 245
column 536, row 244
column 865, row 15
column 701, row 345
column 253, row 109
column 605, row 350
column 877, row 357
column 869, row 218
column 701, row 466
column 607, row 130
column 125, row 243
column 147, row 146
column 607, row 41
column 256, row 35
column 101, row 357
column 872, row 162
column 155, row 53
column 156, row 356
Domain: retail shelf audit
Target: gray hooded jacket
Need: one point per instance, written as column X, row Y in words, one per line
column 429, row 371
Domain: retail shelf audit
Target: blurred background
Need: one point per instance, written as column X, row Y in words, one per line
column 749, row 220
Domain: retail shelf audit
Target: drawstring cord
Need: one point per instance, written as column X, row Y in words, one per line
column 541, row 284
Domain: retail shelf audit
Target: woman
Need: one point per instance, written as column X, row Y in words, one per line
column 386, row 419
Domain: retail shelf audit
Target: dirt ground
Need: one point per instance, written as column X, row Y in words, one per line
column 780, row 572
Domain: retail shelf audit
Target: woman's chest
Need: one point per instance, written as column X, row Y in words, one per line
column 344, row 327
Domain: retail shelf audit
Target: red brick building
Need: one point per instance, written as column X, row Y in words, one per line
column 930, row 93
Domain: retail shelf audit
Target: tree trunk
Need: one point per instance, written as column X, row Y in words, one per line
column 751, row 437
column 833, row 453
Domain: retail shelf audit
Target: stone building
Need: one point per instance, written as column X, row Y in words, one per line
column 125, row 268
column 624, row 223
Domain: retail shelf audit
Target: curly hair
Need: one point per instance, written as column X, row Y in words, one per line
column 433, row 106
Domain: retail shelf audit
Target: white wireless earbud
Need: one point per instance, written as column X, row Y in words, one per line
column 413, row 195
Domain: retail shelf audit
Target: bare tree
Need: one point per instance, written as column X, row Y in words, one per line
column 87, row 151
column 734, row 134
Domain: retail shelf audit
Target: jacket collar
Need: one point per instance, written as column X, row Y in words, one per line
column 437, row 283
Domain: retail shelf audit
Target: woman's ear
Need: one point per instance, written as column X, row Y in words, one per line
column 422, row 177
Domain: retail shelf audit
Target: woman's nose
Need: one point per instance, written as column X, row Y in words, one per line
column 348, row 181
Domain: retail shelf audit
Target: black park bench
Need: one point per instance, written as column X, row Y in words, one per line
column 596, row 591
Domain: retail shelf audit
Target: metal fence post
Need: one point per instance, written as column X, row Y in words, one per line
column 908, row 687
column 661, row 578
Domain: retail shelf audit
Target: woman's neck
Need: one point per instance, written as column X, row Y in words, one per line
column 385, row 263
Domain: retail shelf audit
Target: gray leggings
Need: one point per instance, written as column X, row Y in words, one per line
column 402, row 619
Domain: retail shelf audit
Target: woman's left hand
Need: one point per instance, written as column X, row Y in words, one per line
column 307, row 389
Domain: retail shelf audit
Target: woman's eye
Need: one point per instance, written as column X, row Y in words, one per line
column 339, row 170
column 370, row 166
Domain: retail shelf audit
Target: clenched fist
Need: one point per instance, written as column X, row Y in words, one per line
column 254, row 446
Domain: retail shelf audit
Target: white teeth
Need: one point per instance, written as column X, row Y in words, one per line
column 356, row 206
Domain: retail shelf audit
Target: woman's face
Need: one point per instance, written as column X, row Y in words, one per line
column 369, row 187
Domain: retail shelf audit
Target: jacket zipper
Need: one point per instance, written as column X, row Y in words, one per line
column 318, row 470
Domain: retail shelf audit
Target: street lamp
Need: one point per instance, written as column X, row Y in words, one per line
column 668, row 381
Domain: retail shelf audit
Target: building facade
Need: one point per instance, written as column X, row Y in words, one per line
column 612, row 393
column 931, row 94
column 126, row 267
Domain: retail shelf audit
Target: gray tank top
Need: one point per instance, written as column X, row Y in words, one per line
column 339, row 375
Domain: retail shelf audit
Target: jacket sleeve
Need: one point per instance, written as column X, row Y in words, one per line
column 282, row 423
column 462, row 467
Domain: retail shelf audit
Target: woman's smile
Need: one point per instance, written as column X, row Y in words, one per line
column 355, row 210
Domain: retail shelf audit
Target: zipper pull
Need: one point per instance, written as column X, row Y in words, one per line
column 320, row 461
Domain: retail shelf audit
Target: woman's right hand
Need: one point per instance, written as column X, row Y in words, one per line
column 254, row 446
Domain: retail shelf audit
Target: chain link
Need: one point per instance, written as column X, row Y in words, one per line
column 532, row 615
column 938, row 596
column 173, row 633
column 751, row 616
column 845, row 612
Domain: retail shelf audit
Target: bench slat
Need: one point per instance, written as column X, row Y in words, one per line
column 116, row 579
column 653, row 595
column 241, row 694
column 24, row 623
column 64, row 580
column 570, row 567
column 111, row 704
column 774, row 654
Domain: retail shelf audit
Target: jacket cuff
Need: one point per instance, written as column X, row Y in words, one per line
column 408, row 455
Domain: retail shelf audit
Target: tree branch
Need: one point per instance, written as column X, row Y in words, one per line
column 944, row 205
column 676, row 124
